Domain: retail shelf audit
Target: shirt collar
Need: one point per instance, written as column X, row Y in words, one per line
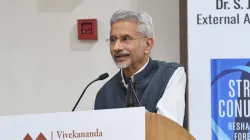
column 123, row 80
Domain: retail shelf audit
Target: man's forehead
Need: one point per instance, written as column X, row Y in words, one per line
column 122, row 34
column 122, row 28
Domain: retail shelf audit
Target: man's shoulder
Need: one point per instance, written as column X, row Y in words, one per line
column 111, row 81
column 168, row 65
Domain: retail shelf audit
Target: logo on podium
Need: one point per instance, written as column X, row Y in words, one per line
column 65, row 135
column 39, row 137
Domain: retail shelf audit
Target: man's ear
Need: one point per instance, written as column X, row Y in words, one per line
column 149, row 45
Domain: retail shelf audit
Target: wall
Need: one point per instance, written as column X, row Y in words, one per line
column 44, row 67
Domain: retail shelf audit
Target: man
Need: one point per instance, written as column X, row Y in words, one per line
column 159, row 86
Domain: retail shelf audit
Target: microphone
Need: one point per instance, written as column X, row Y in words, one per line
column 137, row 97
column 101, row 77
column 135, row 94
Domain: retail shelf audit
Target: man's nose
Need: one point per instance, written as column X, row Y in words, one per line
column 118, row 45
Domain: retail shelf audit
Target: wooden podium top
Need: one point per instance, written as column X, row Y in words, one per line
column 161, row 128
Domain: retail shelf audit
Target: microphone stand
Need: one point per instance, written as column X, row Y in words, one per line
column 82, row 94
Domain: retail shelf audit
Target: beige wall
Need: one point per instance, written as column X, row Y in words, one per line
column 44, row 67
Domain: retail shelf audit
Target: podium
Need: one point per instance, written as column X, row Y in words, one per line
column 162, row 128
column 110, row 124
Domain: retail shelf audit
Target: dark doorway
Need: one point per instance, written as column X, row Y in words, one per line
column 183, row 50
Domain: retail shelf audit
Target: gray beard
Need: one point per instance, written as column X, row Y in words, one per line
column 122, row 66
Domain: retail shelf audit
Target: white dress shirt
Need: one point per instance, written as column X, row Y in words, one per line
column 172, row 102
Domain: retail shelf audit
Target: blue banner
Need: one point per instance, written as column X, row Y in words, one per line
column 230, row 99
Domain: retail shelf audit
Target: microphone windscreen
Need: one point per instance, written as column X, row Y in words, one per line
column 103, row 76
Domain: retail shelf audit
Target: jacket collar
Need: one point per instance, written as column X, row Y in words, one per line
column 140, row 74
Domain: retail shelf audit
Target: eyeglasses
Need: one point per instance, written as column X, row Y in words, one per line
column 123, row 40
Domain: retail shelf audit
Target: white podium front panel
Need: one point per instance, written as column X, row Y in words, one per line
column 112, row 124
